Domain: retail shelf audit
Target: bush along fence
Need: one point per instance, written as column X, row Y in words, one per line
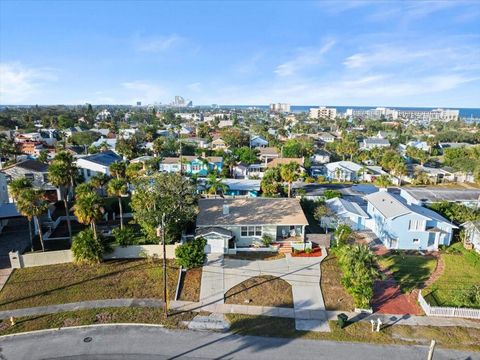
column 447, row 311
column 65, row 256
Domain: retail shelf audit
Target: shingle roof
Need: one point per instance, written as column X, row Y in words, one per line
column 213, row 229
column 250, row 211
column 268, row 151
column 33, row 165
column 284, row 161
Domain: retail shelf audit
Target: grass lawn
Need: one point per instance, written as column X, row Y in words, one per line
column 410, row 271
column 65, row 283
column 448, row 337
column 190, row 287
column 255, row 255
column 334, row 294
column 261, row 291
column 95, row 316
column 462, row 270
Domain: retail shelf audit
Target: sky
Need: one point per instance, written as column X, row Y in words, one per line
column 358, row 53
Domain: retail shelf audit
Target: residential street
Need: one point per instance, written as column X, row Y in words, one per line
column 147, row 342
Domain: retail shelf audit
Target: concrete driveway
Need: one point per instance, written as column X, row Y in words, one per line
column 303, row 274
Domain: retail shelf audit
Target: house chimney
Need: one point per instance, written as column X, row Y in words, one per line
column 226, row 209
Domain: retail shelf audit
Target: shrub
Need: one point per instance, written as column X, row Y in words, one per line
column 125, row 236
column 309, row 180
column 308, row 251
column 267, row 240
column 87, row 249
column 191, row 254
column 320, row 179
column 469, row 297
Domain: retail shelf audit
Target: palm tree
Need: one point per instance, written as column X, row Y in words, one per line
column 99, row 181
column 16, row 186
column 31, row 204
column 289, row 173
column 118, row 188
column 117, row 169
column 383, row 181
column 215, row 184
column 88, row 209
column 61, row 173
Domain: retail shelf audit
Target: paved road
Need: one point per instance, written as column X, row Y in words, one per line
column 146, row 343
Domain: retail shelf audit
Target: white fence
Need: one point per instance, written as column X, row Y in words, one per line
column 447, row 311
column 19, row 261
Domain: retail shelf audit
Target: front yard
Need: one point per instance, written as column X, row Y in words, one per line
column 410, row 271
column 334, row 294
column 65, row 283
column 95, row 316
column 264, row 290
column 461, row 272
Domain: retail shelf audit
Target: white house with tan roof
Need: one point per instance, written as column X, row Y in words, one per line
column 243, row 222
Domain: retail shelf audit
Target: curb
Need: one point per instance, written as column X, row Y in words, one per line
column 81, row 327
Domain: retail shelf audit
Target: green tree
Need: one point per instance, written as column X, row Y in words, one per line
column 289, row 173
column 246, row 155
column 271, row 182
column 191, row 254
column 164, row 194
column 31, row 204
column 88, row 248
column 61, row 174
column 331, row 194
column 118, row 168
column 16, row 186
column 215, row 184
column 383, row 181
column 89, row 209
column 118, row 188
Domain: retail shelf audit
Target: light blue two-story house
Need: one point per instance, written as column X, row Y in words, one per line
column 404, row 226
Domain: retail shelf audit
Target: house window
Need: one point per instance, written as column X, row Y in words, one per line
column 196, row 168
column 244, row 231
column 89, row 173
column 30, row 176
column 416, row 241
column 416, row 225
column 250, row 231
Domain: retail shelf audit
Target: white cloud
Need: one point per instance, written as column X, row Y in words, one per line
column 306, row 58
column 157, row 44
column 18, row 83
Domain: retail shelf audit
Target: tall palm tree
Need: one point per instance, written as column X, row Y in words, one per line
column 289, row 173
column 215, row 184
column 118, row 188
column 16, row 186
column 31, row 204
column 89, row 209
column 61, row 174
column 117, row 169
column 99, row 181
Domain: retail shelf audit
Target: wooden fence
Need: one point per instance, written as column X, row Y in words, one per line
column 447, row 311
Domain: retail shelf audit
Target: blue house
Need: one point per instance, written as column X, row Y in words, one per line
column 201, row 166
column 404, row 226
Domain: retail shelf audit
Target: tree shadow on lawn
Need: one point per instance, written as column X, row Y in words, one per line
column 252, row 292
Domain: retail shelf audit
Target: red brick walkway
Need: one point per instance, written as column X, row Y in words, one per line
column 388, row 299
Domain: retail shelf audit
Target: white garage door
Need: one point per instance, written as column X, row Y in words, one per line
column 214, row 246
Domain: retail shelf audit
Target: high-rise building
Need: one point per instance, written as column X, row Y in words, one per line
column 139, row 103
column 280, row 107
column 323, row 112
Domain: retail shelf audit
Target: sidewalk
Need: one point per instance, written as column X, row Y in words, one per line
column 387, row 319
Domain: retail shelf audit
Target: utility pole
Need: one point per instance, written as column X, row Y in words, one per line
column 430, row 351
column 161, row 234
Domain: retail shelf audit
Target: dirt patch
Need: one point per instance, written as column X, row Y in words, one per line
column 261, row 291
column 190, row 286
column 334, row 294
